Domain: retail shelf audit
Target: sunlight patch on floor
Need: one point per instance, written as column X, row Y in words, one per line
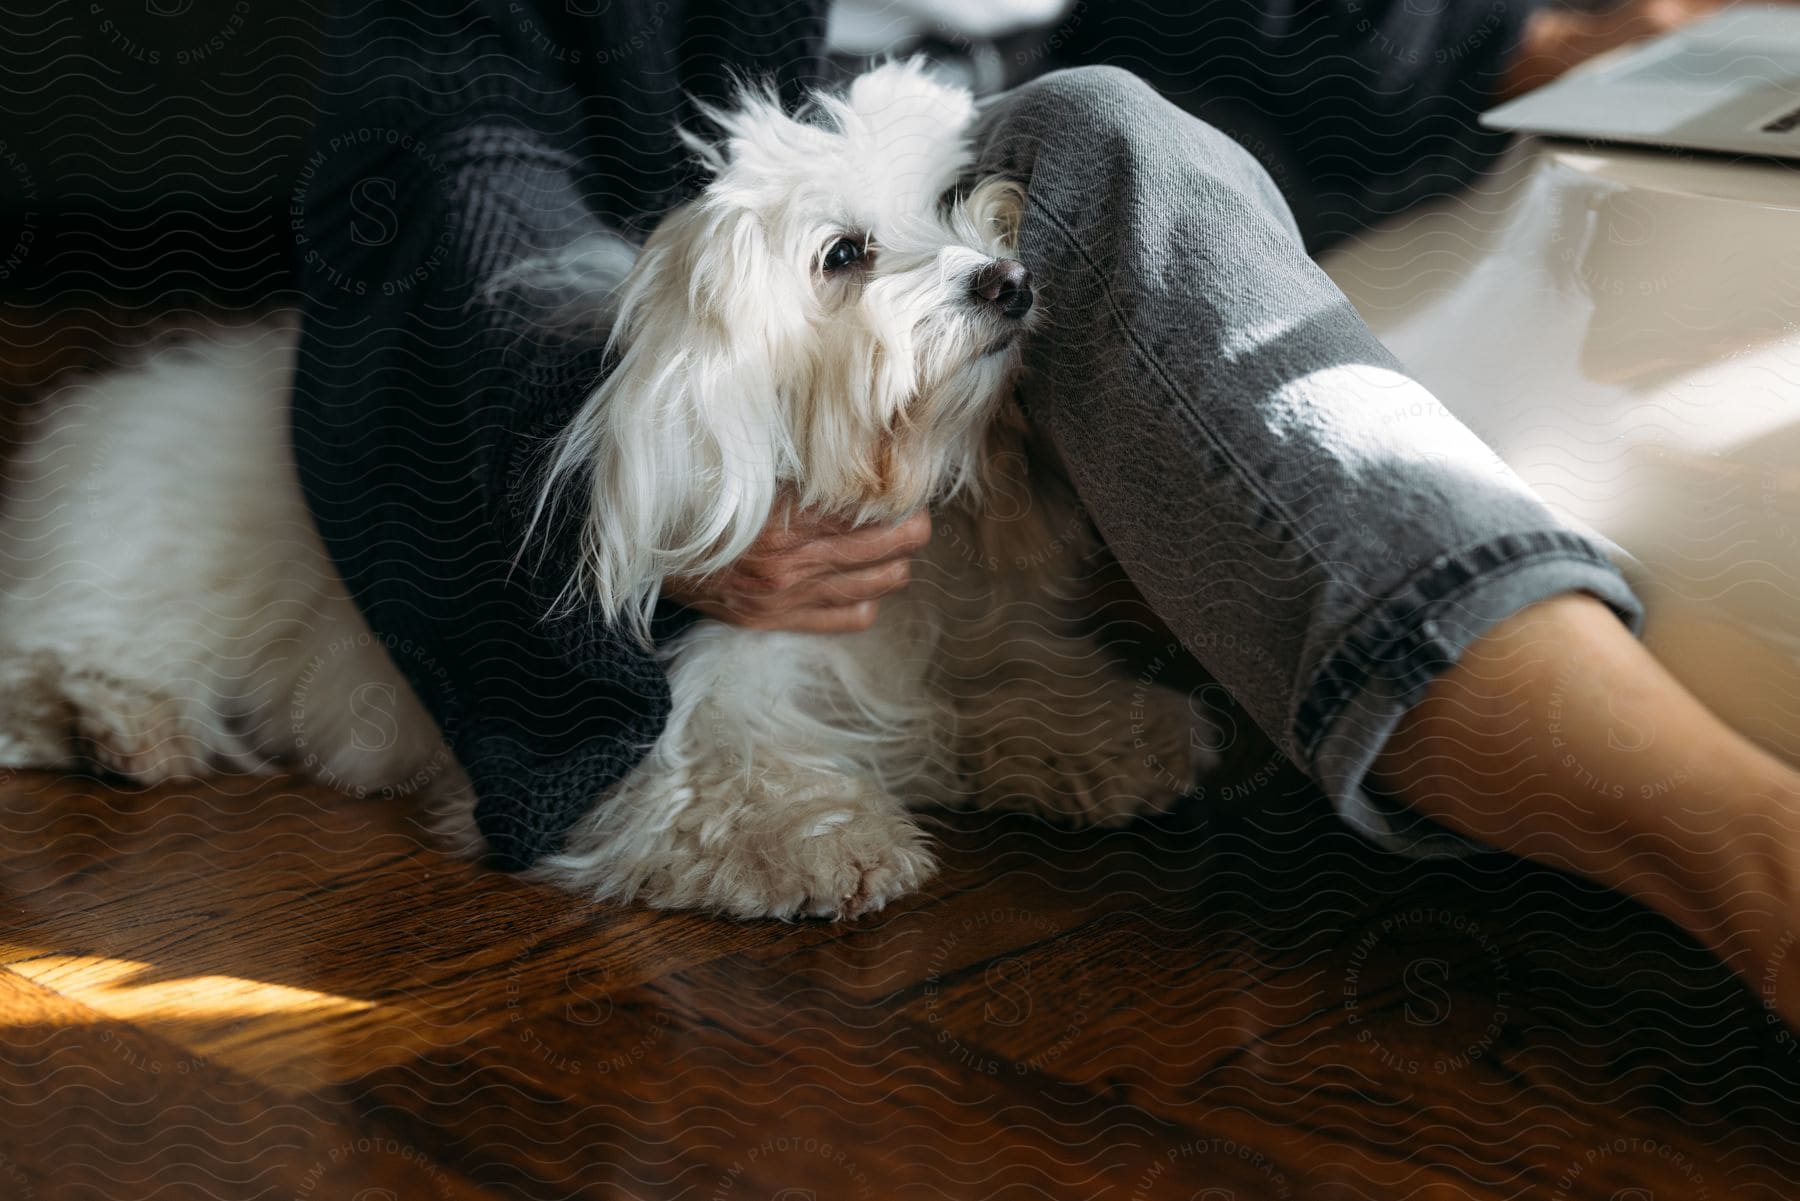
column 281, row 1034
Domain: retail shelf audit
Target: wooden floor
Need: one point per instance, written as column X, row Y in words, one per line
column 255, row 989
column 263, row 991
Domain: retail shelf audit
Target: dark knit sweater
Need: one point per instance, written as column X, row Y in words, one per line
column 457, row 137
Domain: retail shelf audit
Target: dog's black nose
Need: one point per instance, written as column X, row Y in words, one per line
column 1005, row 284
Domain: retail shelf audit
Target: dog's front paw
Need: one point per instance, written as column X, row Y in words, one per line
column 137, row 730
column 810, row 847
column 35, row 719
column 790, row 855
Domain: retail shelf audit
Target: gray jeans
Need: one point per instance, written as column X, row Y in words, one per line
column 1320, row 533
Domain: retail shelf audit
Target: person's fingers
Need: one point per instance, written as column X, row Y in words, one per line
column 791, row 589
column 835, row 619
column 866, row 545
column 772, row 579
column 755, row 600
column 812, row 573
column 768, row 570
column 791, row 528
column 915, row 532
column 853, row 587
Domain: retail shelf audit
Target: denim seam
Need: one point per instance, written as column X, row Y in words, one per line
column 1268, row 505
column 1348, row 669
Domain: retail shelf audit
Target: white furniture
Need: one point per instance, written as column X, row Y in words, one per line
column 1624, row 328
column 878, row 26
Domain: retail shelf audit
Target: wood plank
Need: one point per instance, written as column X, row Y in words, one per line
column 1432, row 1022
column 752, row 1092
column 95, row 1108
column 300, row 936
column 1262, row 1004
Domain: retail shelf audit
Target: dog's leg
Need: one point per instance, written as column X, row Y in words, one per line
column 1055, row 727
column 36, row 723
column 772, row 793
column 1046, row 719
column 55, row 716
column 780, row 844
column 137, row 730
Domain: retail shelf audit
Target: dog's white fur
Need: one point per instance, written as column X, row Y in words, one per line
column 169, row 609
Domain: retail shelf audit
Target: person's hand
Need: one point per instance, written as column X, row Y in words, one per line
column 809, row 573
column 1556, row 40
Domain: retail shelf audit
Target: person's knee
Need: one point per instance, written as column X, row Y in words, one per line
column 1097, row 89
column 1096, row 106
column 1105, row 114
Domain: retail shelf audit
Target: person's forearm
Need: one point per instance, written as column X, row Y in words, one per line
column 1556, row 40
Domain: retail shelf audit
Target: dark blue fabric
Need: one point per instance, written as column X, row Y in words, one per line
column 453, row 140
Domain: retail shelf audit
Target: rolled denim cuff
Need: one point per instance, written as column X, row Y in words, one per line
column 1392, row 655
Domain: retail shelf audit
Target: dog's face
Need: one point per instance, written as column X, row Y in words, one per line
column 837, row 315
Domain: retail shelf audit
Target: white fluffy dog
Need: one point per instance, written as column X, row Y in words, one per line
column 835, row 320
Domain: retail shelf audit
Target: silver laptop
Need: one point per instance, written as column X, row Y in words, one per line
column 1729, row 84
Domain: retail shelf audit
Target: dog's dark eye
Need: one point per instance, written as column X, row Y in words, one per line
column 842, row 253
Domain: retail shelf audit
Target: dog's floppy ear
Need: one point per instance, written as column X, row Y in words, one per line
column 678, row 452
column 902, row 97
